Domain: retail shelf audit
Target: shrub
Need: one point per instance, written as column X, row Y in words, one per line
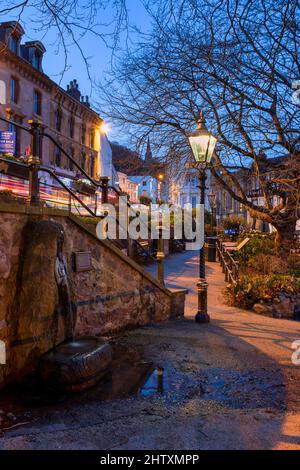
column 233, row 222
column 209, row 232
column 250, row 290
column 7, row 195
column 259, row 244
column 294, row 264
column 268, row 264
column 90, row 220
column 145, row 200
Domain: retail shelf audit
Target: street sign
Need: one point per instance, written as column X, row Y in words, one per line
column 243, row 244
column 7, row 142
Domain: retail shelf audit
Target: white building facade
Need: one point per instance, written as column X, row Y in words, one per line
column 183, row 189
column 147, row 186
column 127, row 185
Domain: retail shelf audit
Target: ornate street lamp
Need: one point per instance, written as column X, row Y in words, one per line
column 212, row 198
column 202, row 143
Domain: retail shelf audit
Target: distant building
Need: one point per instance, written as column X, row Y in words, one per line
column 147, row 186
column 226, row 205
column 30, row 94
column 141, row 177
column 183, row 188
column 127, row 185
column 133, row 190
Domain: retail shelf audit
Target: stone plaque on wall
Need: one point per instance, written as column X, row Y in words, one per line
column 82, row 261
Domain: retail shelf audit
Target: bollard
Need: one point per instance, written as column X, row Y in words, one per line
column 211, row 249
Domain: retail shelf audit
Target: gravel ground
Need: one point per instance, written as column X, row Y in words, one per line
column 226, row 385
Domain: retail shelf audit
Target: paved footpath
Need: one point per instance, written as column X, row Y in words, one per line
column 229, row 384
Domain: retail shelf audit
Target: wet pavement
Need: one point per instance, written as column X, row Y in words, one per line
column 226, row 385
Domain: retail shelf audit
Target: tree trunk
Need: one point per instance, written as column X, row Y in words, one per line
column 285, row 238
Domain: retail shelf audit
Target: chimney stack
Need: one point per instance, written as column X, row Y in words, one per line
column 73, row 90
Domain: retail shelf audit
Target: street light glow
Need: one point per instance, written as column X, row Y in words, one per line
column 105, row 128
column 202, row 143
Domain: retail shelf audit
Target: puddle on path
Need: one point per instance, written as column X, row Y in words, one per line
column 154, row 384
column 131, row 376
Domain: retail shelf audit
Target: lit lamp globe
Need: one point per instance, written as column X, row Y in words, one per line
column 202, row 143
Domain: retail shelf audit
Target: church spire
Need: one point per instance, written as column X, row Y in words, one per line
column 148, row 155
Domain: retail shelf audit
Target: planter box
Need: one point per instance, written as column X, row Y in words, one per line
column 84, row 188
column 14, row 169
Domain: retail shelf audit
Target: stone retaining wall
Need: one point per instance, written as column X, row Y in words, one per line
column 283, row 306
column 114, row 294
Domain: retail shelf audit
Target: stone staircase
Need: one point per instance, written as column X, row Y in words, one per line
column 109, row 290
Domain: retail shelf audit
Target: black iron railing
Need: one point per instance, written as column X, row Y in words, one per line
column 230, row 267
column 102, row 187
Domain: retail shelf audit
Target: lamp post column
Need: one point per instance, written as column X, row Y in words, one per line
column 34, row 164
column 202, row 315
column 160, row 256
column 104, row 189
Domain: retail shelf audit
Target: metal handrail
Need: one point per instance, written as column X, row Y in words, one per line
column 87, row 176
column 52, row 173
column 14, row 123
column 95, row 183
column 230, row 266
column 85, row 206
column 45, row 134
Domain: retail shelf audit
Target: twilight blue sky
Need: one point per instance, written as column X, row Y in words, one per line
column 93, row 47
